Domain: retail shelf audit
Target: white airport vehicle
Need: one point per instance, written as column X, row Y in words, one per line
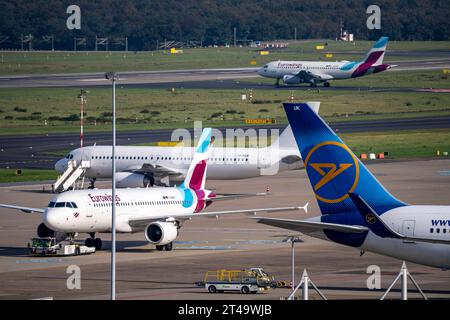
column 250, row 280
column 314, row 72
column 142, row 166
column 158, row 212
column 357, row 210
column 48, row 246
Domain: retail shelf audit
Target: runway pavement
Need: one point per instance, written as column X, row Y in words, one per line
column 232, row 242
column 33, row 151
column 170, row 78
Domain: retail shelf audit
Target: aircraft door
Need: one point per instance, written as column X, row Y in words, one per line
column 263, row 159
column 89, row 214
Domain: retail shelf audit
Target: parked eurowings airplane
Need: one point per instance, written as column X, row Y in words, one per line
column 356, row 209
column 139, row 166
column 314, row 72
column 159, row 212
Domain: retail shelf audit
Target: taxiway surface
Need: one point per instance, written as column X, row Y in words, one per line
column 232, row 242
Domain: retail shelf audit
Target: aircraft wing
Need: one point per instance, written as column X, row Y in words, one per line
column 157, row 170
column 308, row 75
column 307, row 226
column 136, row 222
column 237, row 196
column 24, row 209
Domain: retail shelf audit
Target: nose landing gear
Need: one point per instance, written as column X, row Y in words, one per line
column 93, row 242
column 167, row 247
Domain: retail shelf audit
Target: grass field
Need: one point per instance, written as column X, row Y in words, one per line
column 400, row 144
column 15, row 63
column 27, row 111
column 9, row 175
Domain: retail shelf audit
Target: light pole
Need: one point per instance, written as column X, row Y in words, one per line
column 83, row 99
column 293, row 240
column 113, row 77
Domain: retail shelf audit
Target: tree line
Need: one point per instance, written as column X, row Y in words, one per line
column 148, row 22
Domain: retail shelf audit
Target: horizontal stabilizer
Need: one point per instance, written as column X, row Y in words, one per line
column 307, row 226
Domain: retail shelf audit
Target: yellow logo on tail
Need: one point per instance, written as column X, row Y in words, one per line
column 331, row 174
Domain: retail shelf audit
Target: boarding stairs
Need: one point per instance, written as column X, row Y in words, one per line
column 72, row 174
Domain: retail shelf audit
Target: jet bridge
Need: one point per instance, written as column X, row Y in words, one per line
column 72, row 174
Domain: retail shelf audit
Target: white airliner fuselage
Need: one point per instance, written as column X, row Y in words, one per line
column 431, row 223
column 141, row 166
column 90, row 210
column 138, row 165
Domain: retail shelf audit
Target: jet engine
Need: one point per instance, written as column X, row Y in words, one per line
column 134, row 180
column 45, row 232
column 290, row 79
column 161, row 233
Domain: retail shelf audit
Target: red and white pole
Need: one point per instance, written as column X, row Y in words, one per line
column 83, row 101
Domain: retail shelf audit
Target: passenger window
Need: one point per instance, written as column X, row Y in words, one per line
column 431, row 230
column 438, row 230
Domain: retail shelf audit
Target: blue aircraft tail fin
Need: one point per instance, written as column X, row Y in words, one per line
column 333, row 169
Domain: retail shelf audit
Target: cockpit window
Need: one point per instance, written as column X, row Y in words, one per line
column 51, row 204
column 69, row 156
column 68, row 205
column 60, row 205
column 74, row 205
column 266, row 66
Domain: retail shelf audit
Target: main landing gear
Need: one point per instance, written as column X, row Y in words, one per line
column 326, row 84
column 93, row 242
column 168, row 247
column 92, row 183
column 277, row 84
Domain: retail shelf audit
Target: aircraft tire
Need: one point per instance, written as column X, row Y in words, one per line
column 98, row 244
column 89, row 242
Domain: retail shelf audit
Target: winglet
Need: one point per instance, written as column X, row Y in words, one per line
column 305, row 207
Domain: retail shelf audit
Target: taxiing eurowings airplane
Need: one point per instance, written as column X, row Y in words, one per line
column 314, row 72
column 356, row 209
column 139, row 166
column 159, row 212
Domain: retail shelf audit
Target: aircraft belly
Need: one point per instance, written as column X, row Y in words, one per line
column 430, row 254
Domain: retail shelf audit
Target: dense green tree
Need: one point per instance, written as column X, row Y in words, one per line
column 145, row 22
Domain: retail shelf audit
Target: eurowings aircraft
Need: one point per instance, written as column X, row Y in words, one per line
column 314, row 72
column 357, row 211
column 158, row 212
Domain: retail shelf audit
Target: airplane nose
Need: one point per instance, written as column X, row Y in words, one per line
column 51, row 219
column 60, row 166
